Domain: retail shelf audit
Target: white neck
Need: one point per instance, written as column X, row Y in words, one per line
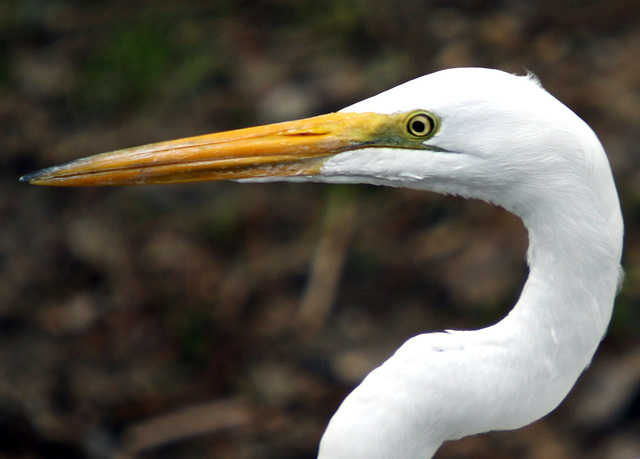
column 443, row 386
column 565, row 306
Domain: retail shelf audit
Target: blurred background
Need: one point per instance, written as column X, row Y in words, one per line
column 229, row 320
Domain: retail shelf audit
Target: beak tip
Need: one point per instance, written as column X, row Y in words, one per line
column 29, row 177
column 38, row 177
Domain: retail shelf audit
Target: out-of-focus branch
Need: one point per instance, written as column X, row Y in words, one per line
column 185, row 423
column 329, row 258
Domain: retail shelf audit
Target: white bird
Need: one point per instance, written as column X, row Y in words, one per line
column 472, row 132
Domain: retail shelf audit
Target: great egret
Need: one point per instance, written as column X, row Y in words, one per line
column 473, row 132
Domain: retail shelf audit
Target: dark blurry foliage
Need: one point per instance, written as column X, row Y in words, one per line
column 129, row 67
column 122, row 310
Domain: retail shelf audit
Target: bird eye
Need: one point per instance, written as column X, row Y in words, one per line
column 421, row 124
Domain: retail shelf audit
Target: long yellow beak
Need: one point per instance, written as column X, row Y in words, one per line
column 284, row 149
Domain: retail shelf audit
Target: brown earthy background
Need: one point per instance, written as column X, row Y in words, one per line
column 229, row 320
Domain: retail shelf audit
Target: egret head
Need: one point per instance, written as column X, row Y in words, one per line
column 474, row 132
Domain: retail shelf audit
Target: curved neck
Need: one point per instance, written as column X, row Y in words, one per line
column 444, row 386
column 567, row 301
column 551, row 334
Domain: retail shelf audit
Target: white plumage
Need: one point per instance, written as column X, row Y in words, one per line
column 509, row 142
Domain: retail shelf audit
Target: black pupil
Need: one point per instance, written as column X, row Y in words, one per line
column 420, row 126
